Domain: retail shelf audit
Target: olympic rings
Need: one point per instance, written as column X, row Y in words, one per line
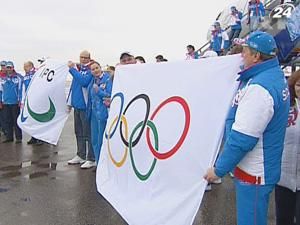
column 150, row 125
column 118, row 164
column 154, row 130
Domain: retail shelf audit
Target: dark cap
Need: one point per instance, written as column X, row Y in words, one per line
column 3, row 63
column 10, row 64
column 124, row 54
column 159, row 57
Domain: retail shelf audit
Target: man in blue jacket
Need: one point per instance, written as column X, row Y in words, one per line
column 219, row 39
column 78, row 97
column 236, row 25
column 10, row 100
column 255, row 130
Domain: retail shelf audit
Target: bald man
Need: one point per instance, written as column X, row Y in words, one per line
column 78, row 99
column 29, row 72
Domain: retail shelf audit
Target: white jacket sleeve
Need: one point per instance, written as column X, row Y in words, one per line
column 254, row 112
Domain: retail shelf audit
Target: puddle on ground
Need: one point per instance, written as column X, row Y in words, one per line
column 13, row 167
column 11, row 174
column 2, row 190
column 37, row 175
column 33, row 169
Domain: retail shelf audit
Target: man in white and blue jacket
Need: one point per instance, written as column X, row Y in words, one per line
column 77, row 98
column 10, row 100
column 236, row 25
column 219, row 39
column 255, row 130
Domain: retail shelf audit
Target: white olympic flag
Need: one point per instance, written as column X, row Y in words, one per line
column 164, row 129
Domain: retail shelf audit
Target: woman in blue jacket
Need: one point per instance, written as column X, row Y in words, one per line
column 99, row 91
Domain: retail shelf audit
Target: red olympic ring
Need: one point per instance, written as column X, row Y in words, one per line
column 173, row 150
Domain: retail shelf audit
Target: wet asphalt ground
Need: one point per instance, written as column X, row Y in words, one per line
column 38, row 187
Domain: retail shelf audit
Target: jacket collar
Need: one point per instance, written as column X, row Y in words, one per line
column 31, row 72
column 12, row 75
column 257, row 68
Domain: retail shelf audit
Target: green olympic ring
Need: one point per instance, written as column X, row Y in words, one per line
column 155, row 133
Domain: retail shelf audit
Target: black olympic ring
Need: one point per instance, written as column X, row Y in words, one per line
column 147, row 100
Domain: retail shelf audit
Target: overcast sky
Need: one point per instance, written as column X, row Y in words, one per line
column 62, row 28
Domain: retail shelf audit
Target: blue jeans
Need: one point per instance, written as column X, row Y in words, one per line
column 252, row 202
column 83, row 135
column 97, row 130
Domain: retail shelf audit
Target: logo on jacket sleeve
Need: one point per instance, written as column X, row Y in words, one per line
column 285, row 94
column 239, row 95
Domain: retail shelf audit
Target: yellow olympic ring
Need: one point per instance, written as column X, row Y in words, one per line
column 124, row 121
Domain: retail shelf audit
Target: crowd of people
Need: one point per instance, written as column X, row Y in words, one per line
column 221, row 40
column 261, row 140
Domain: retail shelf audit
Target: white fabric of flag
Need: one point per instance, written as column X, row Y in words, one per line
column 164, row 129
column 44, row 110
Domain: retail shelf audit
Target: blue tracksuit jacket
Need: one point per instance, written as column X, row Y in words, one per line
column 78, row 93
column 11, row 89
column 256, row 124
column 95, row 103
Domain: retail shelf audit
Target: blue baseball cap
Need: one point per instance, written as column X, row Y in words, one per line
column 261, row 42
column 3, row 63
column 9, row 64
